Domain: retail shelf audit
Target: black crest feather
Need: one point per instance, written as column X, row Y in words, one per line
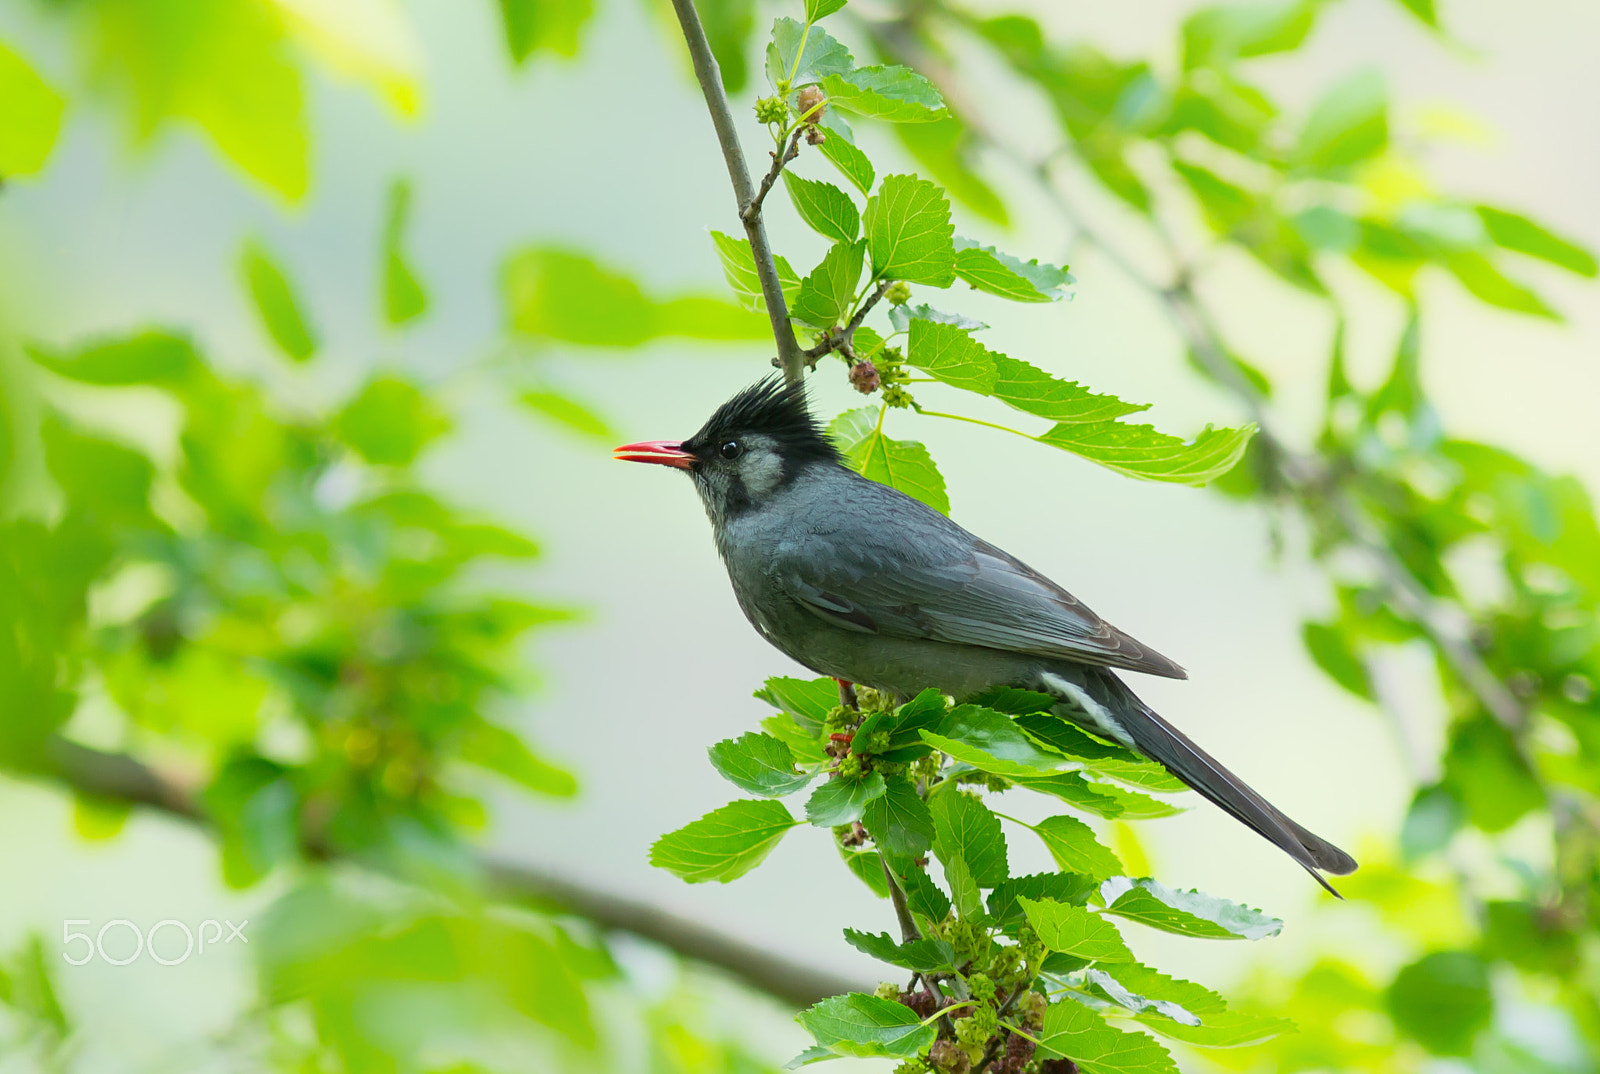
column 773, row 408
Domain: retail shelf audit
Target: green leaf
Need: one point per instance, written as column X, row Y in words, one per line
column 963, row 827
column 814, row 1054
column 803, row 744
column 1488, row 283
column 1216, row 36
column 902, row 727
column 760, row 764
column 993, row 742
column 403, row 297
column 1030, row 389
column 927, row 955
column 799, row 55
column 32, row 113
column 1423, row 10
column 226, row 65
column 893, row 93
column 1330, row 647
column 554, row 294
column 817, row 9
column 389, row 422
column 902, row 316
column 147, row 358
column 923, row 896
column 1073, row 845
column 724, row 844
column 857, row 1024
column 841, row 800
column 98, row 476
column 963, row 888
column 1442, row 1001
column 825, row 208
column 851, row 162
column 949, row 354
column 534, row 25
column 908, row 230
column 1073, row 1031
column 899, row 821
column 1055, row 887
column 1101, row 799
column 498, row 750
column 275, row 302
column 1347, row 125
column 1000, row 274
column 567, row 411
column 1187, row 913
column 826, row 295
column 808, row 700
column 1218, row 1026
column 739, row 268
column 1060, row 734
column 1434, row 817
column 1487, row 773
column 1073, row 930
column 1510, row 231
column 1108, row 986
column 1140, row 451
column 901, row 464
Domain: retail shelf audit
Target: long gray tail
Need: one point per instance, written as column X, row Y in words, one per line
column 1109, row 709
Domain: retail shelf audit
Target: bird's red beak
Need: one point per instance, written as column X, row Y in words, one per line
column 661, row 452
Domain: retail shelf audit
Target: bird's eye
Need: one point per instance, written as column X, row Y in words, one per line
column 730, row 450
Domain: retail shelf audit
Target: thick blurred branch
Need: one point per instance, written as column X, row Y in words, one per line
column 705, row 69
column 119, row 778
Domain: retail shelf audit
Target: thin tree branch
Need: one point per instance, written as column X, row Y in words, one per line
column 710, row 78
column 119, row 778
column 792, row 150
column 844, row 339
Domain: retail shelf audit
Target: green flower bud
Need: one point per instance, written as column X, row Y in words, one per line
column 899, row 293
column 772, row 110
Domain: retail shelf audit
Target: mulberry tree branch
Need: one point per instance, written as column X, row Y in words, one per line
column 790, row 358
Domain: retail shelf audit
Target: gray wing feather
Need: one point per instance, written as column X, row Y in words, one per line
column 897, row 568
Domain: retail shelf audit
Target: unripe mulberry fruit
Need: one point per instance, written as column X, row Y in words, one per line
column 864, row 377
column 949, row 1057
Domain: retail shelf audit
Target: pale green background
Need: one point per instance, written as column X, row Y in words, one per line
column 613, row 154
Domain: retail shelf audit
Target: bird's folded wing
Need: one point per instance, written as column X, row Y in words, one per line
column 954, row 588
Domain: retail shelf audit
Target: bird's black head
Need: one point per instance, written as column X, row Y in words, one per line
column 755, row 444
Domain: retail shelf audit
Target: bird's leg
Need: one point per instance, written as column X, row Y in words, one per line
column 847, row 693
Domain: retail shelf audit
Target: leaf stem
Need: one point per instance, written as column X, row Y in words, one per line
column 790, row 358
column 976, row 421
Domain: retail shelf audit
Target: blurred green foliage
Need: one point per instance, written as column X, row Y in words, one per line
column 278, row 601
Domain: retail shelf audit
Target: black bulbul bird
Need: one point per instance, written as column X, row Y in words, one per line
column 863, row 583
